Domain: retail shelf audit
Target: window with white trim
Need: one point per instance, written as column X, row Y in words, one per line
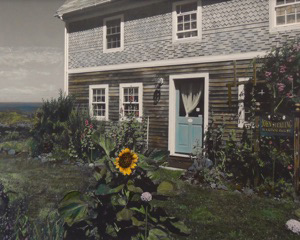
column 284, row 14
column 113, row 34
column 131, row 99
column 287, row 12
column 186, row 20
column 98, row 101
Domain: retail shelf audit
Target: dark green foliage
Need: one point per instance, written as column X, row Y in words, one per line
column 114, row 209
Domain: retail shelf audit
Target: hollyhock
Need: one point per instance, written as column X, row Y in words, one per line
column 281, row 87
column 290, row 78
column 289, row 95
column 282, row 69
column 268, row 74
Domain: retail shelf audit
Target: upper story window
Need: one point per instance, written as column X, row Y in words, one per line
column 186, row 20
column 98, row 101
column 284, row 14
column 131, row 99
column 113, row 34
column 287, row 12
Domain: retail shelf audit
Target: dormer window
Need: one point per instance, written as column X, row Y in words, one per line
column 186, row 20
column 113, row 34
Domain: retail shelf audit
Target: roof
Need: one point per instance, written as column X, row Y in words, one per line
column 75, row 5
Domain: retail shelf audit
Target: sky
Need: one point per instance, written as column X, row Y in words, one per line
column 31, row 50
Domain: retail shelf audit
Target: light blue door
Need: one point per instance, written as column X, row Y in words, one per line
column 188, row 130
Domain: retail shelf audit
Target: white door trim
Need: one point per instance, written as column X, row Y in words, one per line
column 172, row 109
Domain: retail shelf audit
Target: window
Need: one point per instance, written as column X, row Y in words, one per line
column 285, row 14
column 113, row 34
column 186, row 20
column 131, row 98
column 99, row 101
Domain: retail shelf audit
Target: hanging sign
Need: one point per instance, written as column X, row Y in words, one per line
column 280, row 126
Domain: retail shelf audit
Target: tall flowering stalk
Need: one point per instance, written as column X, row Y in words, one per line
column 86, row 140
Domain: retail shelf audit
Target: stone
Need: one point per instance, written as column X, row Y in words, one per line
column 208, row 163
column 248, row 191
column 223, row 187
column 11, row 152
column 293, row 225
column 237, row 192
column 213, row 185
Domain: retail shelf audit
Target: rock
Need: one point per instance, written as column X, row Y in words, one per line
column 223, row 187
column 91, row 165
column 237, row 192
column 11, row 152
column 293, row 225
column 248, row 191
column 208, row 163
column 297, row 213
column 213, row 185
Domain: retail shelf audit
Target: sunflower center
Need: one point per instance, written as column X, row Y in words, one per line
column 125, row 160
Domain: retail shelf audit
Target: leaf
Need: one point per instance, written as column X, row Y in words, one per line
column 157, row 234
column 166, row 188
column 106, row 143
column 110, row 230
column 159, row 156
column 104, row 189
column 124, row 215
column 181, row 227
column 141, row 210
column 132, row 188
column 73, row 207
column 136, row 222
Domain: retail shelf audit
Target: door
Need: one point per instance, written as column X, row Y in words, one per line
column 189, row 114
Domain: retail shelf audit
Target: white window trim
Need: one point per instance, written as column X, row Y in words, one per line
column 121, row 48
column 241, row 97
column 272, row 20
column 91, row 88
column 174, row 22
column 128, row 85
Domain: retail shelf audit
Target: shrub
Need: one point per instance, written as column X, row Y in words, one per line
column 129, row 133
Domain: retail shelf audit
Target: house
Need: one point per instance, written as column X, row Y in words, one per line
column 170, row 60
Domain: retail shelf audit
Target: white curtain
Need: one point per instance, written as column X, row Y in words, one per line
column 191, row 91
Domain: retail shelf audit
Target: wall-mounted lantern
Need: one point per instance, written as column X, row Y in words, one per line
column 159, row 79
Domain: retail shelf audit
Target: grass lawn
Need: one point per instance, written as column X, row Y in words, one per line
column 214, row 214
column 211, row 214
column 43, row 184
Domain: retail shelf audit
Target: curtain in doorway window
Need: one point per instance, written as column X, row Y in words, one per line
column 191, row 91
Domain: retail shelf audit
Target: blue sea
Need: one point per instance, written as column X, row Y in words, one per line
column 25, row 107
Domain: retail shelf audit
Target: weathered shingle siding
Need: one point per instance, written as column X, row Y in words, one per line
column 232, row 26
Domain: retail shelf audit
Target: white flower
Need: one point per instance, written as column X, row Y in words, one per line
column 293, row 225
column 146, row 197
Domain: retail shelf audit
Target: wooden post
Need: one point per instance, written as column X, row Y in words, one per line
column 256, row 133
column 234, row 70
column 229, row 95
column 254, row 73
column 297, row 147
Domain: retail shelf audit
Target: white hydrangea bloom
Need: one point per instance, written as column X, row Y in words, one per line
column 293, row 225
column 146, row 197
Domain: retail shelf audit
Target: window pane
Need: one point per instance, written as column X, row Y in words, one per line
column 180, row 19
column 290, row 9
column 194, row 16
column 290, row 1
column 180, row 35
column 188, row 34
column 279, row 2
column 194, row 25
column 280, row 11
column 187, row 18
column 187, row 26
column 180, row 27
column 298, row 17
column 291, row 18
column 194, row 34
column 281, row 20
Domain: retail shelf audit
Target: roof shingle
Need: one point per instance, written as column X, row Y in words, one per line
column 74, row 5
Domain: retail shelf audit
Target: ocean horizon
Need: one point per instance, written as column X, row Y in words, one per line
column 25, row 107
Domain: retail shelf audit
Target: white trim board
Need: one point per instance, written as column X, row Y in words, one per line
column 66, row 63
column 171, row 62
column 172, row 111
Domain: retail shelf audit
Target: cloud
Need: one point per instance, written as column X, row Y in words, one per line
column 30, row 74
column 21, row 56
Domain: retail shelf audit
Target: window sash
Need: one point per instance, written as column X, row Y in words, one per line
column 287, row 13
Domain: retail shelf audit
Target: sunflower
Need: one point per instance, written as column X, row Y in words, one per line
column 126, row 161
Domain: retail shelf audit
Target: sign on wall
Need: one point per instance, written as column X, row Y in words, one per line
column 276, row 126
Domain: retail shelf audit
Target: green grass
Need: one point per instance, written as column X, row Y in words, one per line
column 11, row 118
column 210, row 214
column 213, row 214
column 43, row 185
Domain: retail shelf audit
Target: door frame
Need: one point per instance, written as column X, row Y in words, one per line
column 172, row 107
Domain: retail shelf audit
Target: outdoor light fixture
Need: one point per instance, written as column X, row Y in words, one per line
column 159, row 82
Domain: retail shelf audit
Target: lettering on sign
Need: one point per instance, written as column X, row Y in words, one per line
column 276, row 128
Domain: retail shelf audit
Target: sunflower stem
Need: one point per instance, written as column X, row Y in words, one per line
column 146, row 222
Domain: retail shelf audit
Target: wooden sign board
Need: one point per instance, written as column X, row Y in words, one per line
column 270, row 128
